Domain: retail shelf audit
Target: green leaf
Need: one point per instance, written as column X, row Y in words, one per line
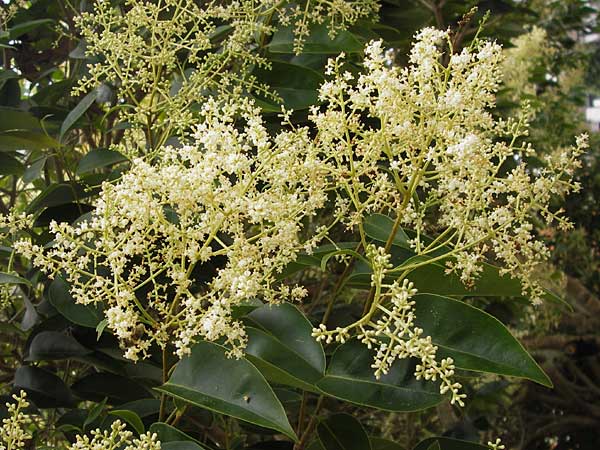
column 350, row 377
column 99, row 158
column 7, row 75
column 474, row 339
column 211, row 380
column 7, row 278
column 25, row 27
column 383, row 444
column 60, row 194
column 282, row 347
column 25, row 140
column 296, row 85
column 167, row 433
column 115, row 388
column 60, row 297
column 13, row 119
column 34, row 171
column 131, row 418
column 318, row 42
column 44, row 388
column 53, row 345
column 379, row 227
column 449, row 444
column 342, row 432
column 94, row 413
column 77, row 112
column 9, row 165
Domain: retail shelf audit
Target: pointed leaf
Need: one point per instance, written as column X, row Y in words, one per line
column 7, row 278
column 167, row 433
column 342, row 432
column 99, row 158
column 45, row 388
column 50, row 345
column 84, row 315
column 77, row 112
column 474, row 339
column 317, row 42
column 282, row 347
column 211, row 380
column 350, row 377
column 131, row 418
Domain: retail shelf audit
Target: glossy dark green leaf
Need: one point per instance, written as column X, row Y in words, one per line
column 449, row 444
column 45, row 388
column 167, row 433
column 60, row 194
column 77, row 112
column 131, row 418
column 13, row 119
column 115, row 388
column 296, row 85
column 9, row 165
column 342, row 432
column 50, row 345
column 68, row 212
column 7, row 278
column 25, row 140
column 318, row 42
column 144, row 407
column 211, row 380
column 379, row 227
column 7, row 75
column 350, row 377
column 60, row 297
column 474, row 339
column 25, row 27
column 383, row 444
column 94, row 413
column 98, row 159
column 282, row 348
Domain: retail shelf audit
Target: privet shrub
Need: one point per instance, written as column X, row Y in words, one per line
column 234, row 251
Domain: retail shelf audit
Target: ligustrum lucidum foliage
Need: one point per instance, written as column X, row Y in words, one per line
column 205, row 249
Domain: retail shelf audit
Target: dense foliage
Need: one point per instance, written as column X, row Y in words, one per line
column 324, row 225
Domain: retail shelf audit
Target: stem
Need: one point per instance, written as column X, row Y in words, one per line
column 165, row 377
column 313, row 421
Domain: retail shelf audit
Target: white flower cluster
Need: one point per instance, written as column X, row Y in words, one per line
column 13, row 433
column 389, row 328
column 10, row 226
column 338, row 14
column 178, row 242
column 496, row 445
column 162, row 57
column 421, row 144
column 116, row 438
